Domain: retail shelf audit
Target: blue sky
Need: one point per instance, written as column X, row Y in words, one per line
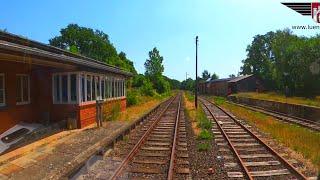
column 224, row 27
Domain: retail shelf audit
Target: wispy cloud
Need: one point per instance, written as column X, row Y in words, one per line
column 187, row 58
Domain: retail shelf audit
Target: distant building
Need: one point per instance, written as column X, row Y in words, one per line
column 226, row 86
column 41, row 83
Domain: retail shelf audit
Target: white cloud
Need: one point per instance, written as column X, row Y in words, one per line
column 187, row 58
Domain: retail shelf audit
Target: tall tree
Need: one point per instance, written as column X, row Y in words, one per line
column 153, row 65
column 154, row 69
column 205, row 75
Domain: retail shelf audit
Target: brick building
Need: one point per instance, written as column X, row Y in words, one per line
column 226, row 86
column 44, row 84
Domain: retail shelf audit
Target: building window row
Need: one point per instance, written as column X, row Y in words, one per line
column 95, row 87
column 67, row 87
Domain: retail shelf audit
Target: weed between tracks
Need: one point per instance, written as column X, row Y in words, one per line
column 299, row 139
column 201, row 125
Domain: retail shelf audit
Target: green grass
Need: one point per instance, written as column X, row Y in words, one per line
column 299, row 139
column 272, row 96
column 203, row 146
column 189, row 95
column 205, row 135
column 202, row 121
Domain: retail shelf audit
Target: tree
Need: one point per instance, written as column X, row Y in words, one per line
column 188, row 84
column 153, row 65
column 154, row 69
column 91, row 43
column 232, row 76
column 205, row 75
column 284, row 60
column 214, row 76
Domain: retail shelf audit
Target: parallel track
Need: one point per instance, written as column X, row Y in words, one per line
column 245, row 154
column 161, row 151
column 284, row 117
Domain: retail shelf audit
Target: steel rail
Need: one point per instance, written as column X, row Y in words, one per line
column 136, row 147
column 245, row 169
column 174, row 143
column 292, row 169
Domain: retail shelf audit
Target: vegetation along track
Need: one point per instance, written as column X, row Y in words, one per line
column 156, row 149
column 245, row 154
column 313, row 125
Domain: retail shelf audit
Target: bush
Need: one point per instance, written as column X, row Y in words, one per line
column 132, row 98
column 203, row 147
column 138, row 80
column 147, row 89
column 205, row 135
column 161, row 85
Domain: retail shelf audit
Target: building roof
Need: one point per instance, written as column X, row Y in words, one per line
column 236, row 79
column 16, row 43
column 230, row 80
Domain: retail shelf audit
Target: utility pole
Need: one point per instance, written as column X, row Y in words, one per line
column 196, row 89
column 186, row 76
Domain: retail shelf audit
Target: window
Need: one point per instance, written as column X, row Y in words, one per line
column 2, row 90
column 93, row 88
column 98, row 88
column 23, row 89
column 83, row 88
column 56, row 88
column 65, row 88
column 89, row 88
column 73, row 87
column 103, row 88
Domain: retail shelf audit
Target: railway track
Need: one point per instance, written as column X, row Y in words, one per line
column 245, row 154
column 157, row 149
column 284, row 117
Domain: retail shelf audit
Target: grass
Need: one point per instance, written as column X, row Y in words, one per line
column 299, row 139
column 136, row 111
column 201, row 125
column 205, row 135
column 281, row 98
column 203, row 146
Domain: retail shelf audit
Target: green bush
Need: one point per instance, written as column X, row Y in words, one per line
column 203, row 147
column 147, row 89
column 132, row 98
column 161, row 85
column 205, row 135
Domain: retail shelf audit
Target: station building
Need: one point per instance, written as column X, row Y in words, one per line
column 43, row 84
column 227, row 86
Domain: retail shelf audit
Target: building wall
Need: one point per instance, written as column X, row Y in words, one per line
column 87, row 113
column 12, row 113
column 218, row 88
column 41, row 108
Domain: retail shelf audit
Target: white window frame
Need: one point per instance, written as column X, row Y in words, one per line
column 23, row 102
column 4, row 90
column 69, row 101
column 114, row 87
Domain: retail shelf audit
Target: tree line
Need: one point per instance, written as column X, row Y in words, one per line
column 285, row 62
